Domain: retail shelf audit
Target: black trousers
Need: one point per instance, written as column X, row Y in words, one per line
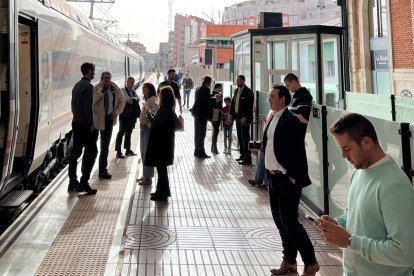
column 82, row 137
column 200, row 131
column 105, row 141
column 284, row 203
column 163, row 184
column 216, row 130
column 126, row 125
column 243, row 135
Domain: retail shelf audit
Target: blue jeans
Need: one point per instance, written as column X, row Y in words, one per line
column 227, row 131
column 147, row 172
column 187, row 96
column 260, row 176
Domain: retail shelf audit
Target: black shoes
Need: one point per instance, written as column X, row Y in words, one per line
column 203, row 155
column 158, row 198
column 87, row 189
column 130, row 153
column 74, row 186
column 120, row 155
column 252, row 182
column 239, row 159
column 245, row 162
column 105, row 175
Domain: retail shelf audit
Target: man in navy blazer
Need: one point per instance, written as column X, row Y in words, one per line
column 241, row 110
column 287, row 169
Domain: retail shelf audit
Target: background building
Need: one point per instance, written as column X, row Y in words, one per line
column 295, row 12
column 381, row 46
column 186, row 30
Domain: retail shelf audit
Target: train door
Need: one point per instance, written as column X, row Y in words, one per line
column 26, row 102
column 34, row 95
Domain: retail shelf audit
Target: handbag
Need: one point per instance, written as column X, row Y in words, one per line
column 179, row 120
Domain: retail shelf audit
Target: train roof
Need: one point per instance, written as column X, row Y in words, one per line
column 78, row 16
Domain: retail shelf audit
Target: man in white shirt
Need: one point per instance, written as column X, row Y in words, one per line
column 287, row 169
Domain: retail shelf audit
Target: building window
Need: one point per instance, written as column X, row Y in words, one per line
column 294, row 8
column 284, row 9
column 378, row 18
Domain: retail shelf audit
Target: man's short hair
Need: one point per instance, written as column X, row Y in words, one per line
column 170, row 70
column 283, row 92
column 291, row 77
column 207, row 79
column 86, row 67
column 130, row 78
column 105, row 73
column 355, row 126
column 243, row 78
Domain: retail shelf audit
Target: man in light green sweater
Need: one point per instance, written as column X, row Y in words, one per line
column 377, row 230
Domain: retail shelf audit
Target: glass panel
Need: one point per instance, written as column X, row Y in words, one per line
column 246, row 62
column 405, row 111
column 263, row 105
column 294, row 58
column 227, row 87
column 307, row 66
column 280, row 55
column 313, row 142
column 258, row 82
column 330, row 69
column 377, row 106
column 339, row 170
column 269, row 56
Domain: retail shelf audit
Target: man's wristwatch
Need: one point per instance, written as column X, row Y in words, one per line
column 349, row 241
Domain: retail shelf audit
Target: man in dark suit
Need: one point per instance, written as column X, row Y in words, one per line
column 301, row 103
column 287, row 169
column 201, row 111
column 242, row 111
column 174, row 85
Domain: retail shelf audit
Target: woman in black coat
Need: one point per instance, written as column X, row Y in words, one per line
column 160, row 150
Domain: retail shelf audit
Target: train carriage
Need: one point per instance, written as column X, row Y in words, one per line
column 42, row 45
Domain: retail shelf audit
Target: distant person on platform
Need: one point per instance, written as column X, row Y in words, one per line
column 158, row 76
column 187, row 84
column 108, row 103
column 84, row 133
column 376, row 230
column 301, row 103
column 242, row 112
column 127, row 119
column 174, row 85
column 201, row 112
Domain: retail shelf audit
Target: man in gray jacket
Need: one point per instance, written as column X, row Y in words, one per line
column 108, row 103
column 84, row 133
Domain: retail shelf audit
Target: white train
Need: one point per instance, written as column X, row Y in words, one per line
column 42, row 45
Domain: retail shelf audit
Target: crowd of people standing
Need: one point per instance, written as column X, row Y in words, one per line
column 374, row 231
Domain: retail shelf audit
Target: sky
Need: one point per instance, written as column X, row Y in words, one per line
column 149, row 18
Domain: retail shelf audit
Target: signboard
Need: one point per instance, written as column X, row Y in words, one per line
column 381, row 59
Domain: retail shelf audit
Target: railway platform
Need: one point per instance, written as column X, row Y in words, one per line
column 215, row 223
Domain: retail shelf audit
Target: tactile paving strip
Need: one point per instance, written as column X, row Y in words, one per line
column 83, row 244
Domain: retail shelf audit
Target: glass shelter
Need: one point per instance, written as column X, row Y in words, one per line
column 313, row 53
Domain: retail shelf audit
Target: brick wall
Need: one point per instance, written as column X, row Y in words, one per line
column 402, row 34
